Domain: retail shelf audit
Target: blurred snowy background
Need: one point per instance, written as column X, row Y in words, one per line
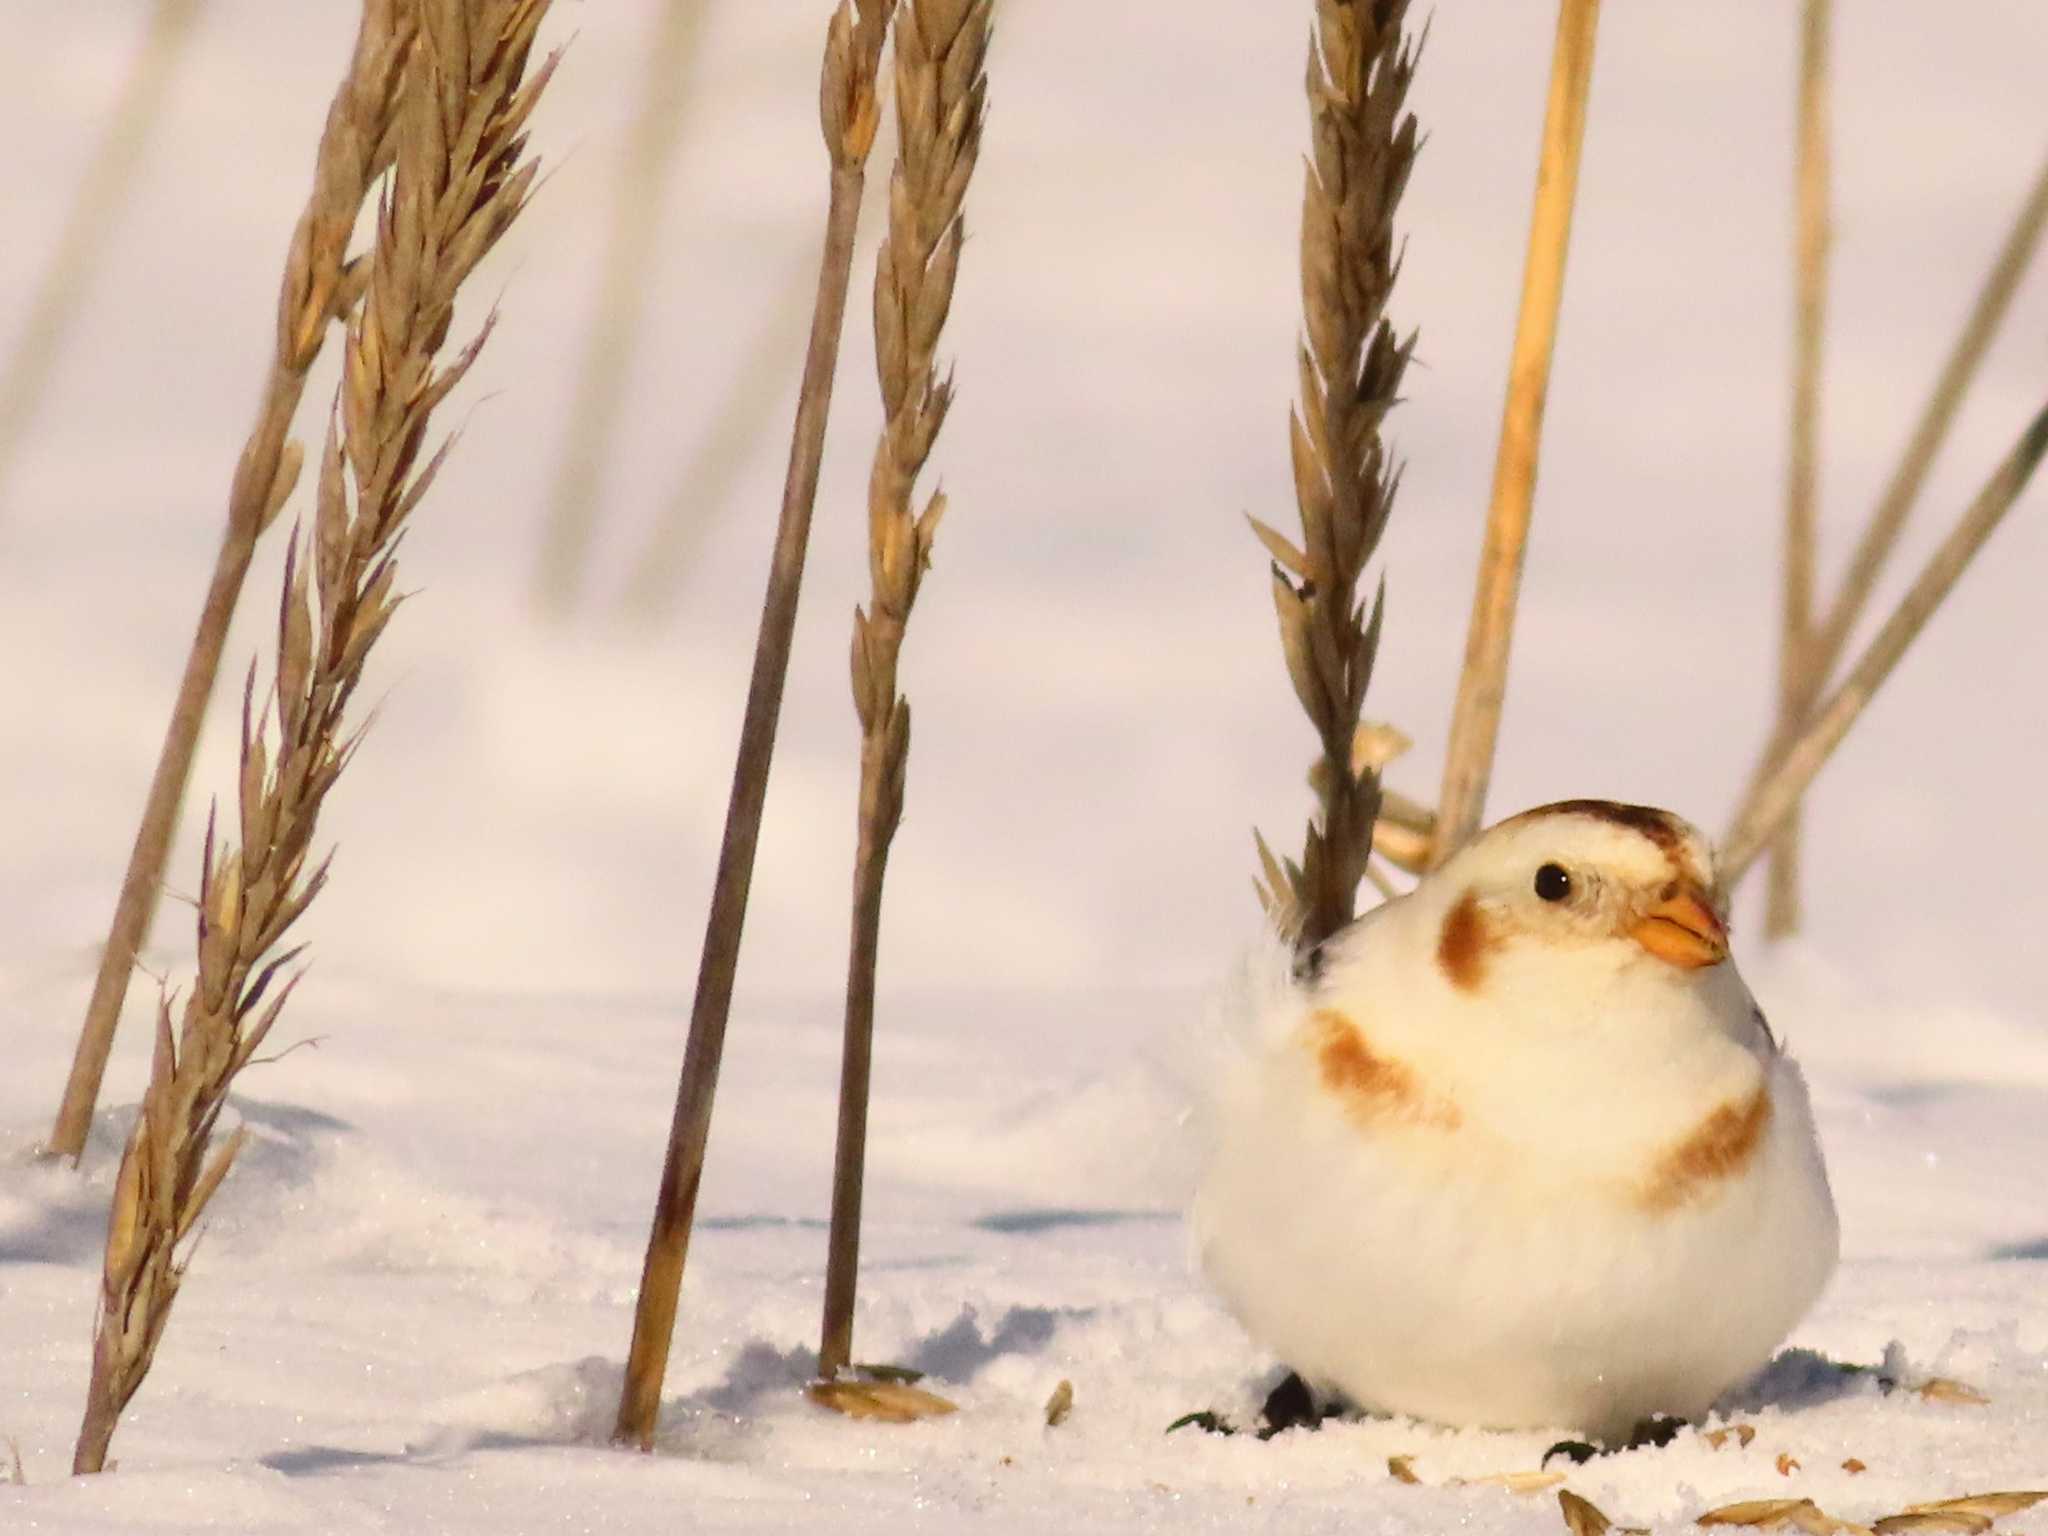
column 430, row 1252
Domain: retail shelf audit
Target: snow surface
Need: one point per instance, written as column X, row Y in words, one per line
column 410, row 1310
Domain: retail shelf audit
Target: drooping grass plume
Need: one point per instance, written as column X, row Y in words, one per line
column 1362, row 149
column 109, row 179
column 1793, row 767
column 1797, row 678
column 1482, row 684
column 461, row 176
column 319, row 285
column 849, row 113
column 576, row 501
column 941, row 51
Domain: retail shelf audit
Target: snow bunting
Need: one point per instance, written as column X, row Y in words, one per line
column 1518, row 1149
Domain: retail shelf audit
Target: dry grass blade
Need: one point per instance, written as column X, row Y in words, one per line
column 1761, row 1513
column 317, row 287
column 1989, row 1505
column 941, row 52
column 461, row 176
column 849, row 112
column 890, row 1402
column 1774, row 796
column 1946, row 1389
column 578, row 495
column 1362, row 149
column 1798, row 681
column 1928, row 1522
column 1482, row 685
column 1535, row 1481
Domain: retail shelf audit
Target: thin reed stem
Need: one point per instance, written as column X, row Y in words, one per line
column 108, row 181
column 941, row 51
column 1482, row 685
column 1351, row 362
column 318, row 286
column 461, row 177
column 1775, row 796
column 1987, row 313
column 849, row 113
column 747, row 406
column 577, row 500
column 1797, row 678
column 1881, row 534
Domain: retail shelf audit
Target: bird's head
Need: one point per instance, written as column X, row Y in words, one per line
column 1627, row 887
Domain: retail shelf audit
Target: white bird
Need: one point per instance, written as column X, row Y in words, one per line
column 1518, row 1149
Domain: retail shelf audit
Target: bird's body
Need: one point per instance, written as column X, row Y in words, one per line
column 1522, row 1152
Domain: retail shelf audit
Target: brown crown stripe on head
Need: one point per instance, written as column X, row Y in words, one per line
column 1660, row 827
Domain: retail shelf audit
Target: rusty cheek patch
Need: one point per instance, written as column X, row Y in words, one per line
column 1464, row 943
column 1372, row 1088
column 1720, row 1147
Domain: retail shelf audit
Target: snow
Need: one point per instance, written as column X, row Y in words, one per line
column 410, row 1309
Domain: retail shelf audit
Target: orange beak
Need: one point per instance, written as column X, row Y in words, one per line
column 1683, row 930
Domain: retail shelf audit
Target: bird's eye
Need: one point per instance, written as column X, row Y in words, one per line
column 1553, row 883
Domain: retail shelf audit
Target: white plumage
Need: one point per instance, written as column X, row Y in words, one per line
column 1521, row 1151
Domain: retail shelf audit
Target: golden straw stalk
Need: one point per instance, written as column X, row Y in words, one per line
column 1798, row 679
column 462, row 175
column 1362, row 149
column 318, row 286
column 941, row 98
column 1482, row 686
column 849, row 112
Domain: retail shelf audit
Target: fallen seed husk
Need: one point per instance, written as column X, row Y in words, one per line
column 1945, row 1389
column 1059, row 1405
column 1989, row 1505
column 1933, row 1523
column 889, row 1402
column 1581, row 1516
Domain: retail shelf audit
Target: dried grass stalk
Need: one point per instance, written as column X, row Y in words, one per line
column 941, row 50
column 103, row 190
column 1881, row 535
column 1987, row 313
column 1351, row 362
column 577, row 499
column 1778, row 791
column 849, row 112
column 461, row 177
column 1797, row 679
column 1482, row 685
column 319, row 285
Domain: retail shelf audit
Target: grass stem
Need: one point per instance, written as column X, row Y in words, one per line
column 1482, row 685
column 850, row 112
